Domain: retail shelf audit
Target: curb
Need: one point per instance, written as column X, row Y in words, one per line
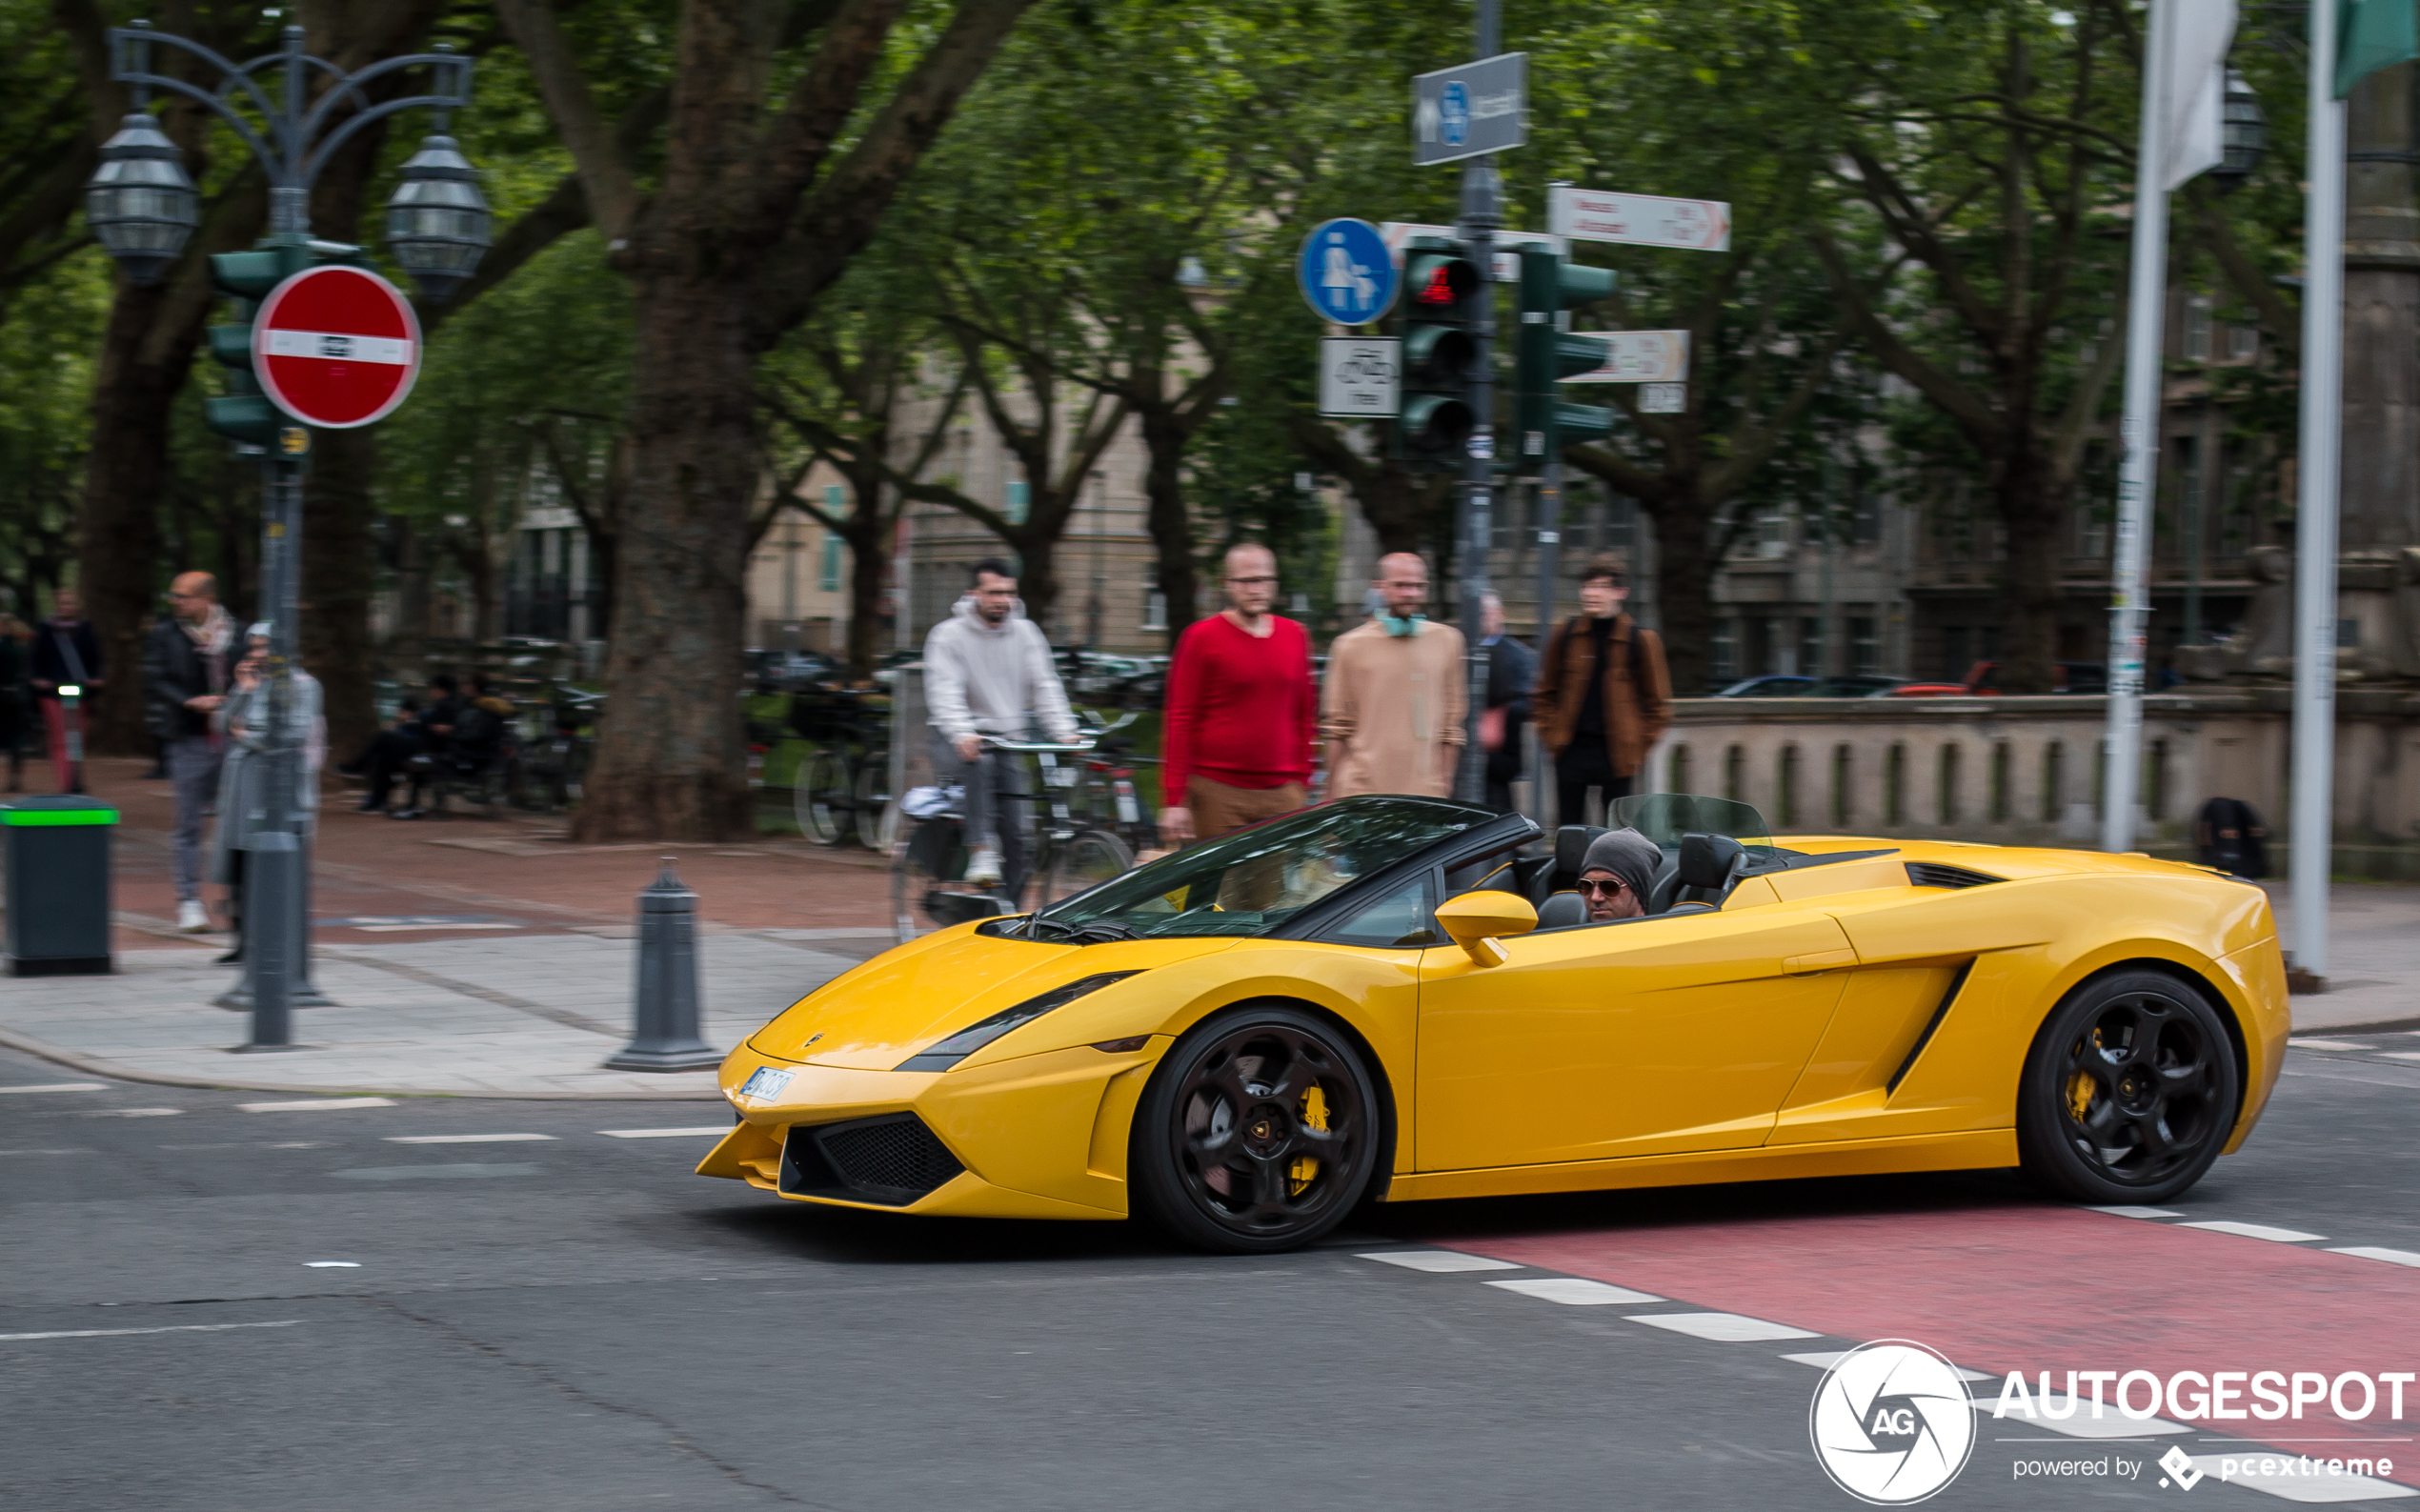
column 93, row 1065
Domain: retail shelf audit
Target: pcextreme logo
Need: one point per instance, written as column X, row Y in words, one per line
column 1891, row 1423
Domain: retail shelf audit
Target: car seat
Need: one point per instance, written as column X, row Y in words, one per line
column 1571, row 849
column 1704, row 872
column 1561, row 910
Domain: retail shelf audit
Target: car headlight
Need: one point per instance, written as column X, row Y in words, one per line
column 944, row 1053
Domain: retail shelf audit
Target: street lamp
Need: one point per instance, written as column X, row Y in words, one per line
column 139, row 202
column 2243, row 135
column 140, row 206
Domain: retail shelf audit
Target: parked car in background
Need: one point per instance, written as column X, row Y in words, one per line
column 1791, row 685
column 1982, row 680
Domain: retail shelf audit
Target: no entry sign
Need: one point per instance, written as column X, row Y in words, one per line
column 335, row 347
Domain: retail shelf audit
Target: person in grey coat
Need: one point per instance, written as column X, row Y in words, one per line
column 988, row 671
column 242, row 721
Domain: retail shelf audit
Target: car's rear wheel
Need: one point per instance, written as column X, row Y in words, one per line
column 2129, row 1092
column 1258, row 1132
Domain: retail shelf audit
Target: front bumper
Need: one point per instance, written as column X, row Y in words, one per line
column 1040, row 1136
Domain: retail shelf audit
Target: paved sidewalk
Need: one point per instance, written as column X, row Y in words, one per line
column 2373, row 956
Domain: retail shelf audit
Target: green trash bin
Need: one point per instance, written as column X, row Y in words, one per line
column 58, row 878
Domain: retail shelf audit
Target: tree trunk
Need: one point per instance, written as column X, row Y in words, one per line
column 340, row 575
column 2033, row 512
column 1038, row 578
column 1685, row 589
column 1171, row 525
column 145, row 357
column 869, row 565
column 670, row 763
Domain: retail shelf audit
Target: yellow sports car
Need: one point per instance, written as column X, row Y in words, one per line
column 1390, row 999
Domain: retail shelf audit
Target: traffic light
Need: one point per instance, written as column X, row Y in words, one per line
column 1550, row 285
column 244, row 412
column 1444, row 301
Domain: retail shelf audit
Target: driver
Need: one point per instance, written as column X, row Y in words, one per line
column 1615, row 875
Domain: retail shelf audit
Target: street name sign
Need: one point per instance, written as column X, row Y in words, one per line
column 1360, row 379
column 1507, row 270
column 1346, row 272
column 1470, row 109
column 1663, row 398
column 335, row 347
column 1640, row 220
column 1638, row 356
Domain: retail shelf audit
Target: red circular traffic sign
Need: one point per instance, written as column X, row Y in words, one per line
column 335, row 347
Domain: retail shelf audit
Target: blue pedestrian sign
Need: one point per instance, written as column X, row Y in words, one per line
column 1453, row 114
column 1346, row 273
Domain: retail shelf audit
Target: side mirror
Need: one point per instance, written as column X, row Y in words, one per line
column 1478, row 922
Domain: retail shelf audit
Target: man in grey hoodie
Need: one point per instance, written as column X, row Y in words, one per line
column 987, row 671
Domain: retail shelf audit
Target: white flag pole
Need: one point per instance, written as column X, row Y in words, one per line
column 2313, row 769
column 2146, row 321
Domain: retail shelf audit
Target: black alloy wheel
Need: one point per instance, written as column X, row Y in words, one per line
column 2129, row 1093
column 1258, row 1132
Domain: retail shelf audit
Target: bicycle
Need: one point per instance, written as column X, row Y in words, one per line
column 842, row 788
column 928, row 863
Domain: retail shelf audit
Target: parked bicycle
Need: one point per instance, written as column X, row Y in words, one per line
column 842, row 788
column 1071, row 853
column 556, row 743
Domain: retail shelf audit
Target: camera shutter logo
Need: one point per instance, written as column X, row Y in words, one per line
column 1891, row 1423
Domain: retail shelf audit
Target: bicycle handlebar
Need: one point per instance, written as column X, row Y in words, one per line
column 995, row 743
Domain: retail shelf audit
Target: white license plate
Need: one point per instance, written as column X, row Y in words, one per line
column 766, row 1082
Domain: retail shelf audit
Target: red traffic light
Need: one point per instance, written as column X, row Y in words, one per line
column 1440, row 282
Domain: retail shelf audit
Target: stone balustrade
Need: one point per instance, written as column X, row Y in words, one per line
column 2027, row 771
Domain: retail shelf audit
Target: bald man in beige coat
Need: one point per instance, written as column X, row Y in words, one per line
column 1396, row 695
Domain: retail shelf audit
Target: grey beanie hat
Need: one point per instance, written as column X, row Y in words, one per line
column 1627, row 854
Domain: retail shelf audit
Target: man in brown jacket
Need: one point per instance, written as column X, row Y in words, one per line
column 1603, row 696
column 1392, row 709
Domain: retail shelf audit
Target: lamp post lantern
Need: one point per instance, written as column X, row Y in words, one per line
column 141, row 206
column 2243, row 135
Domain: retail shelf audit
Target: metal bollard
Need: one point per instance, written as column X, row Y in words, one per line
column 666, row 1037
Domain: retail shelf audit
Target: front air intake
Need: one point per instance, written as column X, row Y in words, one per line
column 892, row 1160
column 1936, row 874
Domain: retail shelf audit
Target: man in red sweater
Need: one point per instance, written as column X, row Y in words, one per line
column 1242, row 720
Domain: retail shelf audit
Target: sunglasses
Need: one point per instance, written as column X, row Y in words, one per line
column 1609, row 887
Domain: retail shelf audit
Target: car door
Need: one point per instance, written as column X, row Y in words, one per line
column 1650, row 1037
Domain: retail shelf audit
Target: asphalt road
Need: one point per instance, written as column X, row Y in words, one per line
column 206, row 1307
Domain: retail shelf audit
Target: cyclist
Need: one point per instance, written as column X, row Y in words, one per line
column 988, row 671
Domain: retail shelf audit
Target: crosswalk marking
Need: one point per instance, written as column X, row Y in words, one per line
column 2127, row 1210
column 2393, row 1257
column 1723, row 1329
column 1438, row 1261
column 1572, row 1290
column 2278, row 1236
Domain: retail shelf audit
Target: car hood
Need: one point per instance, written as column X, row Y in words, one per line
column 903, row 1000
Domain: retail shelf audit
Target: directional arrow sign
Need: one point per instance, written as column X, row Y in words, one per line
column 1470, row 109
column 1642, row 221
column 335, row 347
column 1396, row 233
column 1639, row 356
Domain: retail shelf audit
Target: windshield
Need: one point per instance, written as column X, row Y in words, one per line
column 1256, row 878
column 1663, row 818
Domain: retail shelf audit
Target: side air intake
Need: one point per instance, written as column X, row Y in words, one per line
column 1935, row 874
column 893, row 1160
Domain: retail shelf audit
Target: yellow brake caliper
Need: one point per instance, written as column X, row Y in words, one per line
column 1314, row 1117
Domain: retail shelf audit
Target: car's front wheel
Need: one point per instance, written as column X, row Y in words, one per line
column 2129, row 1092
column 1257, row 1133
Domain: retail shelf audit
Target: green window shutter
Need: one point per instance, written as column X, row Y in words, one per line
column 831, row 562
column 1019, row 501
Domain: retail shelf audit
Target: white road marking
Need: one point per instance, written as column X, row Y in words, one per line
column 332, row 1266
column 2325, row 1045
column 60, row 1086
column 2124, row 1210
column 133, row 1112
column 2393, row 1257
column 718, row 1130
column 2280, row 1236
column 2298, row 1486
column 2079, row 1424
column 315, row 1105
column 1573, row 1292
column 464, row 1138
column 2403, row 1055
column 413, row 1172
column 1724, row 1328
column 50, row 1152
column 173, row 1328
column 1438, row 1261
column 1827, row 1360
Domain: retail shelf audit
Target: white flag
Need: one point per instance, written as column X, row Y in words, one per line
column 2199, row 33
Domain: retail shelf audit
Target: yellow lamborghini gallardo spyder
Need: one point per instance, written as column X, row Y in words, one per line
column 1390, row 999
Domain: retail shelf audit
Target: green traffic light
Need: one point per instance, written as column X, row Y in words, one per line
column 1551, row 284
